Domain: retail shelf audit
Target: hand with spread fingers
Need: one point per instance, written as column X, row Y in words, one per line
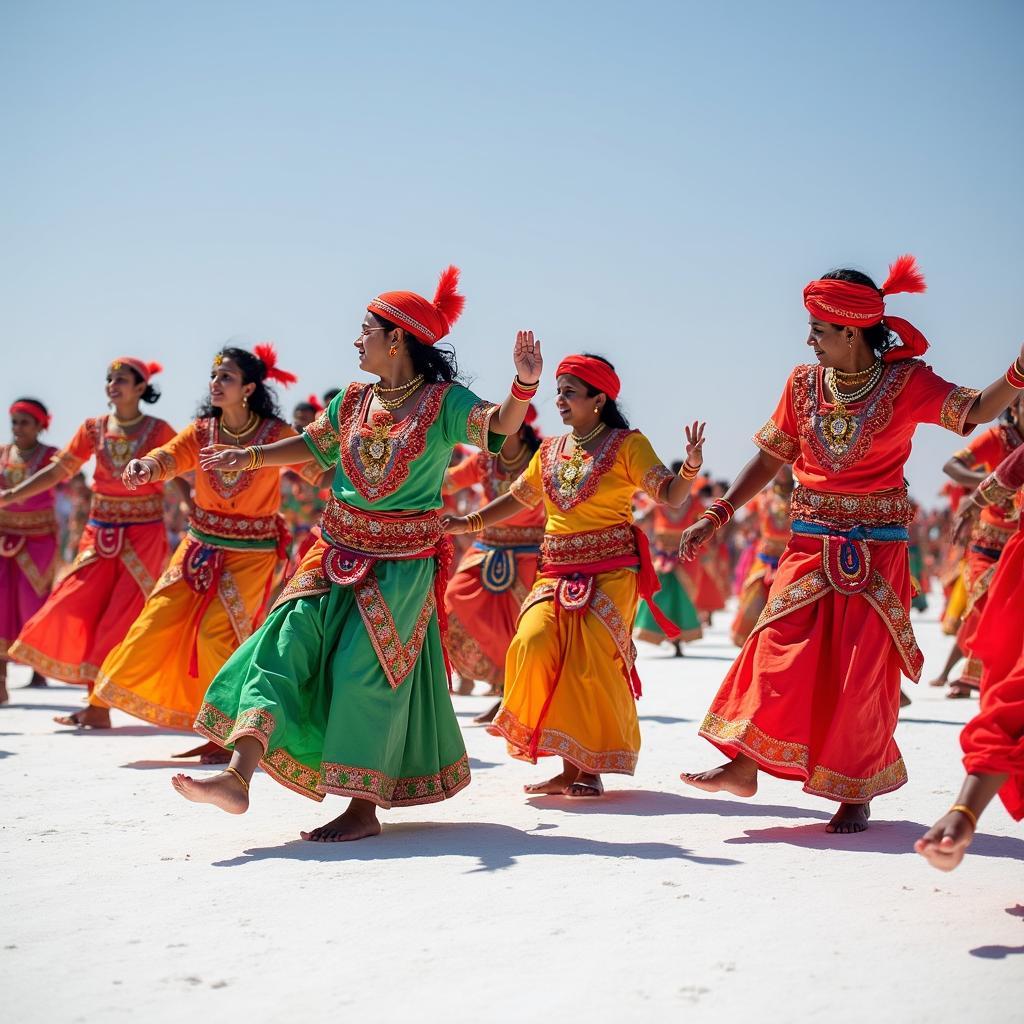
column 527, row 357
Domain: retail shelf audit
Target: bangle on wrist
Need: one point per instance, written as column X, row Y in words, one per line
column 1015, row 376
column 523, row 392
column 475, row 522
column 256, row 457
column 967, row 813
column 689, row 472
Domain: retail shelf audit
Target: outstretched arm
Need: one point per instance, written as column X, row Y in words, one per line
column 491, row 514
column 999, row 394
column 53, row 474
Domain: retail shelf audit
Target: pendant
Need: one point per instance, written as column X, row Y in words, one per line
column 120, row 451
column 375, row 446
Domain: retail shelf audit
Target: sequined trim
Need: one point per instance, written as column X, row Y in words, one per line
column 556, row 743
column 593, row 468
column 396, row 315
column 64, row 671
column 587, row 546
column 657, row 480
column 478, row 423
column 14, row 469
column 40, row 582
column 322, row 440
column 798, row 594
column 956, row 408
column 235, row 527
column 887, row 603
column 468, row 657
column 380, row 535
column 405, row 441
column 131, row 703
column 126, row 511
column 793, row 759
column 136, row 568
column 231, row 599
column 513, row 536
column 115, row 451
column 996, row 493
column 396, row 659
column 991, row 535
column 608, row 614
column 847, row 510
column 777, row 443
column 39, row 523
column 308, row 583
column 387, row 792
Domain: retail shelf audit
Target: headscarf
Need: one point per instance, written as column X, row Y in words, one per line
column 857, row 305
column 427, row 321
column 595, row 372
column 33, row 409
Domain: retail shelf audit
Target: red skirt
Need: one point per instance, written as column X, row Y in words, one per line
column 814, row 694
column 483, row 602
column 993, row 741
column 92, row 608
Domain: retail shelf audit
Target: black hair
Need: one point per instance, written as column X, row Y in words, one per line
column 152, row 392
column 611, row 414
column 304, row 407
column 878, row 336
column 437, row 364
column 677, row 466
column 329, row 394
column 262, row 401
column 529, row 437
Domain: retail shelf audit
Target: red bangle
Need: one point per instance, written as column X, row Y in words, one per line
column 1014, row 377
column 523, row 392
column 712, row 516
column 722, row 510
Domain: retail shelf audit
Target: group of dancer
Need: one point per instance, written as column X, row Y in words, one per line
column 328, row 662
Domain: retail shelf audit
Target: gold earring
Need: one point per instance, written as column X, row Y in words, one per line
column 597, row 408
column 245, row 401
column 393, row 351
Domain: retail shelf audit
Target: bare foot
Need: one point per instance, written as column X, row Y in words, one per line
column 556, row 786
column 488, row 716
column 224, row 791
column 946, row 842
column 738, row 777
column 37, row 682
column 960, row 690
column 677, row 649
column 939, row 681
column 4, row 696
column 91, row 717
column 585, row 785
column 357, row 822
column 905, row 701
column 850, row 818
column 465, row 688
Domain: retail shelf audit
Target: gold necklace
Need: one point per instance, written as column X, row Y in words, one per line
column 408, row 385
column 129, row 423
column 587, row 437
column 250, row 423
column 856, row 378
column 516, row 460
column 391, row 404
column 839, row 425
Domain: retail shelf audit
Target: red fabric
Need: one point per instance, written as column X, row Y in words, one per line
column 993, row 741
column 856, row 305
column 36, row 411
column 267, row 354
column 595, row 372
column 429, row 321
column 144, row 370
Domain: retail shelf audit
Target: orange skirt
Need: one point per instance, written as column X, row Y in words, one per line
column 814, row 694
column 993, row 741
column 94, row 605
column 481, row 619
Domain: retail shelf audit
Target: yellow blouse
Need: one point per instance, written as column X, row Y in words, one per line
column 590, row 492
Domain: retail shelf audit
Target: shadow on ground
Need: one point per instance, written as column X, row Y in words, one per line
column 495, row 847
column 999, row 952
column 119, row 730
column 647, row 803
column 881, row 837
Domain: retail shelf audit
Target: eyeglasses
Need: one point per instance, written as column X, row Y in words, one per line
column 364, row 330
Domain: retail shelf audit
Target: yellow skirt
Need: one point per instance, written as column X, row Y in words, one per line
column 148, row 674
column 567, row 691
column 956, row 605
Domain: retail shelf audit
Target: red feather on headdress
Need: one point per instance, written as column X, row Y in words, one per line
column 904, row 276
column 268, row 354
column 152, row 368
column 447, row 301
column 314, row 401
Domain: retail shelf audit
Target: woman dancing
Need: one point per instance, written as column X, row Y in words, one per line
column 814, row 693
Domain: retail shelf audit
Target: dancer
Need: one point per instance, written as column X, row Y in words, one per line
column 484, row 597
column 992, row 529
column 343, row 690
column 814, row 694
column 122, row 550
column 215, row 589
column 664, row 525
column 28, row 531
column 772, row 513
column 570, row 679
column 993, row 741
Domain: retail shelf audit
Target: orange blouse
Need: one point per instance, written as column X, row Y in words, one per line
column 986, row 452
column 485, row 470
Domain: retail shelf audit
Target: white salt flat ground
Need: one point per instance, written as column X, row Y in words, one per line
column 122, row 902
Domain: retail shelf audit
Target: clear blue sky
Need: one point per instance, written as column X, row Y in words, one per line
column 653, row 181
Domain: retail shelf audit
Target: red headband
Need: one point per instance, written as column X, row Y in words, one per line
column 267, row 354
column 427, row 321
column 144, row 370
column 595, row 372
column 33, row 409
column 856, row 305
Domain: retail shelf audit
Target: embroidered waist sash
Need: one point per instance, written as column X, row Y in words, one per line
column 513, row 536
column 849, row 511
column 225, row 530
column 988, row 537
column 846, row 554
column 108, row 511
column 498, row 566
column 357, row 539
column 38, row 523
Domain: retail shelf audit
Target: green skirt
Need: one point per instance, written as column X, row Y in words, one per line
column 673, row 600
column 338, row 712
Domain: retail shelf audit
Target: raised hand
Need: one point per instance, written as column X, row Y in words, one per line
column 527, row 358
column 963, row 523
column 695, row 444
column 694, row 538
column 224, row 458
column 136, row 473
column 453, row 525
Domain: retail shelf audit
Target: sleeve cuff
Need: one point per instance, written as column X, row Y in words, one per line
column 478, row 428
column 955, row 409
column 777, row 443
column 525, row 493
